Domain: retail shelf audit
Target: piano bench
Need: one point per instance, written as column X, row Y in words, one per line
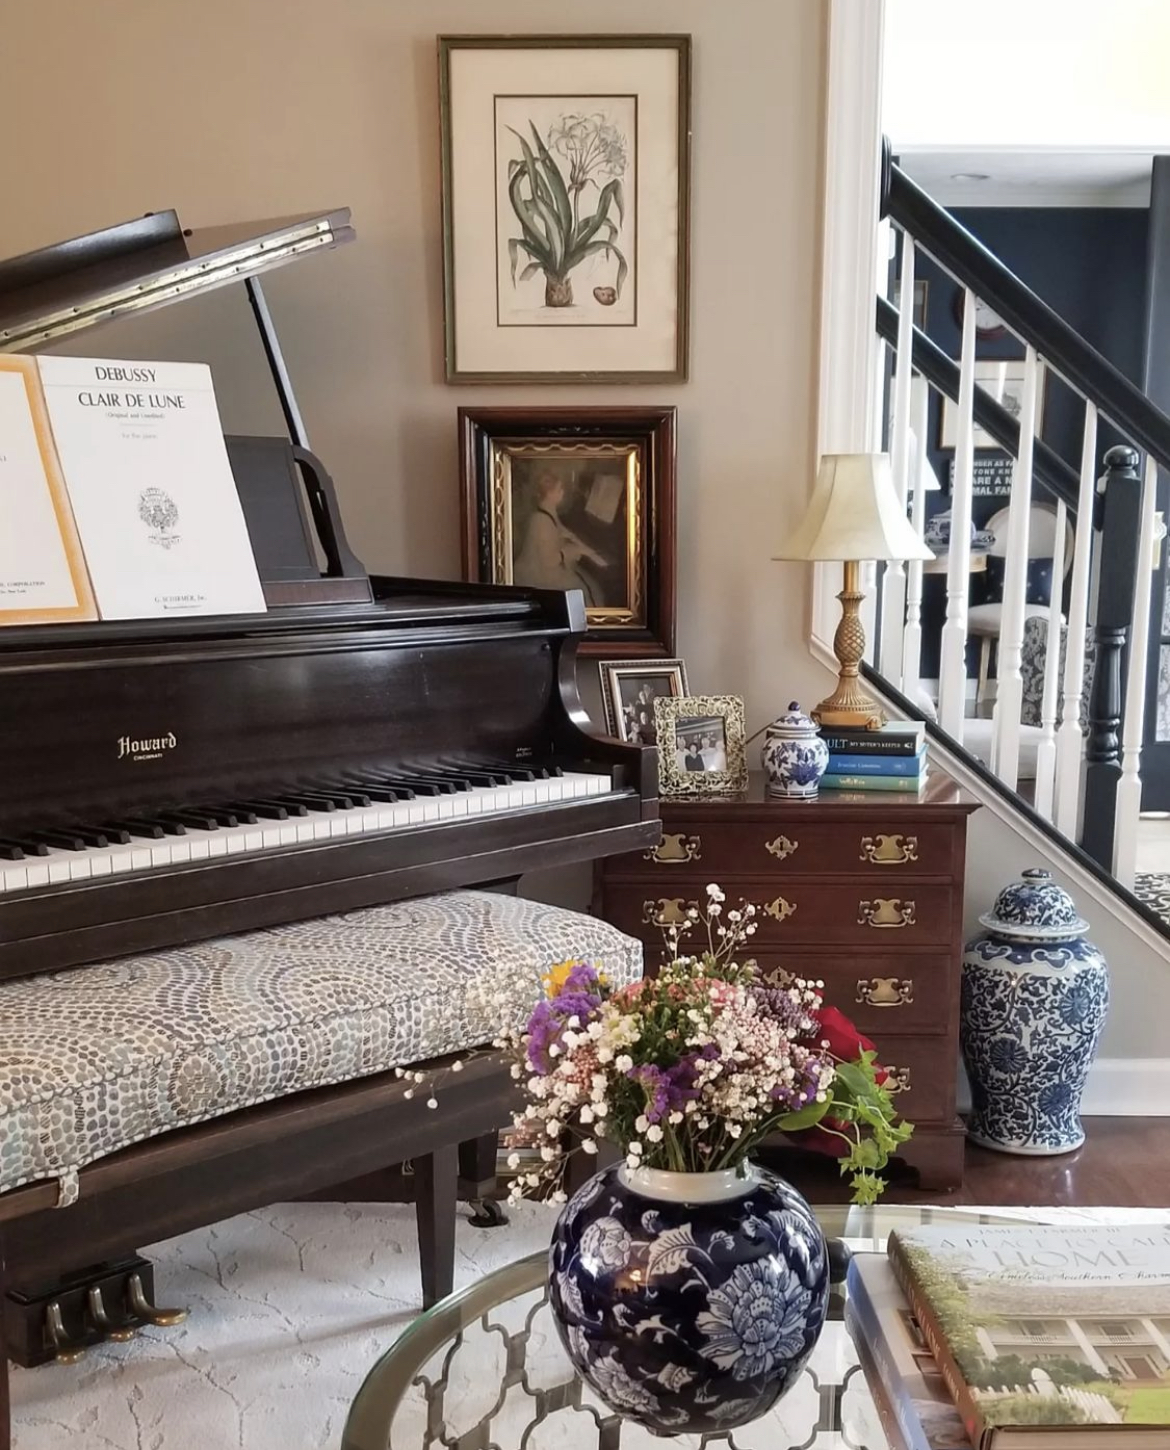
column 152, row 1095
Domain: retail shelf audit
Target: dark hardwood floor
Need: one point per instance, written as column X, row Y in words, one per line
column 1125, row 1163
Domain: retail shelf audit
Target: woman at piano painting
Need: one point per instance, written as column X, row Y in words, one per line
column 551, row 556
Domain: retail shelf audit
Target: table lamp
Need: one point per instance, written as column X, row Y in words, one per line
column 854, row 514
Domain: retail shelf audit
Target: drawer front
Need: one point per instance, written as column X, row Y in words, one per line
column 883, row 996
column 852, row 913
column 923, row 1072
column 759, row 848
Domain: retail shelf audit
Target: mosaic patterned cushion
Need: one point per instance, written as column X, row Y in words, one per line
column 96, row 1059
column 1032, row 659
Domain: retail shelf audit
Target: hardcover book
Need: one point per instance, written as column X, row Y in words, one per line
column 143, row 458
column 907, row 765
column 43, row 579
column 898, row 737
column 908, row 784
column 899, row 1359
column 1047, row 1337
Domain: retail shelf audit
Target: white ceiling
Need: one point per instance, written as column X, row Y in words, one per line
column 1039, row 177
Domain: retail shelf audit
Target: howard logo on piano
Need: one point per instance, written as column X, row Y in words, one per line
column 145, row 749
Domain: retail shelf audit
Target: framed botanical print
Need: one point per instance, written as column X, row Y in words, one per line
column 577, row 498
column 628, row 692
column 565, row 164
column 701, row 745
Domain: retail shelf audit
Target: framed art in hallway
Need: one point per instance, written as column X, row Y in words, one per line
column 1004, row 381
column 701, row 745
column 565, row 166
column 577, row 498
column 628, row 692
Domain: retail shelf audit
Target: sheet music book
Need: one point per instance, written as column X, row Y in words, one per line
column 142, row 454
column 42, row 571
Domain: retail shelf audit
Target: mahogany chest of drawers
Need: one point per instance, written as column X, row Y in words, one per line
column 861, row 891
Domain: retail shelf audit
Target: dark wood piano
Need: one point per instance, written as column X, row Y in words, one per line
column 366, row 739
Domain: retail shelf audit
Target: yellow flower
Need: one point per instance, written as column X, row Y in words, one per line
column 554, row 981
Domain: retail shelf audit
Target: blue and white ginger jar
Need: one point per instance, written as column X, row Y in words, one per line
column 794, row 756
column 688, row 1302
column 1034, row 1000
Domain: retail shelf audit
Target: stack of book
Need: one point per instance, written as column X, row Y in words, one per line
column 1017, row 1338
column 892, row 758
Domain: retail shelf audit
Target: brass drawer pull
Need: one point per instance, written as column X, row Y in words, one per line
column 780, row 910
column 675, row 850
column 666, row 911
column 885, row 991
column 890, row 912
column 889, row 850
column 781, row 848
column 898, row 1080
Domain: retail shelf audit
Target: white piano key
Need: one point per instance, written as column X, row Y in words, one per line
column 38, row 872
column 14, row 876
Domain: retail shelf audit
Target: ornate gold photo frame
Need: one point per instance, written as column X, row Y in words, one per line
column 628, row 693
column 577, row 498
column 700, row 745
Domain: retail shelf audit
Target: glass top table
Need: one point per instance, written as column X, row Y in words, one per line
column 484, row 1370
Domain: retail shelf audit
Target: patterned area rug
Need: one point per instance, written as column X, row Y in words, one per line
column 1153, row 889
column 290, row 1306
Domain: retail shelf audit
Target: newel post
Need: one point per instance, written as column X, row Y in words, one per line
column 1117, row 579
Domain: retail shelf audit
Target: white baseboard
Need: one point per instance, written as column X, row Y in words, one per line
column 1128, row 1088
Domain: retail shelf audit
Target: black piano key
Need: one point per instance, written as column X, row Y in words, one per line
column 233, row 813
column 115, row 835
column 438, row 784
column 352, row 794
column 289, row 807
column 30, row 847
column 404, row 787
column 266, row 810
column 145, row 830
column 195, row 820
column 312, row 802
column 93, row 836
column 60, row 840
column 378, row 792
column 11, row 851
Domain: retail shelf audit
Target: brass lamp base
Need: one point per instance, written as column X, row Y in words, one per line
column 849, row 704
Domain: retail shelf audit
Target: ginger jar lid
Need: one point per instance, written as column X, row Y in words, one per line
column 1034, row 909
column 793, row 724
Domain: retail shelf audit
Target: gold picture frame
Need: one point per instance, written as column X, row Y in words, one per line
column 708, row 757
column 628, row 691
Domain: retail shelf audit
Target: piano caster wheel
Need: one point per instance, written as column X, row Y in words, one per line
column 487, row 1214
column 145, row 1310
column 63, row 1351
column 119, row 1333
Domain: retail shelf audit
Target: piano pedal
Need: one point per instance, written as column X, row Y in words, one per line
column 99, row 1318
column 146, row 1311
column 63, row 1349
column 486, row 1213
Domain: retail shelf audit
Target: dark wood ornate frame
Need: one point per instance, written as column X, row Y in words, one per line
column 485, row 434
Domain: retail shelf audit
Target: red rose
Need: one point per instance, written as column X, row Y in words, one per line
column 845, row 1042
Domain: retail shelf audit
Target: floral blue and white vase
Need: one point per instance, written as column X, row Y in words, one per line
column 1034, row 1000
column 688, row 1302
column 793, row 755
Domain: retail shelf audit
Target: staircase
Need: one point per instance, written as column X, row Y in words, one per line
column 1086, row 794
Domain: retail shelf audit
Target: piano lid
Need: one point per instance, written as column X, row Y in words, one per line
column 140, row 265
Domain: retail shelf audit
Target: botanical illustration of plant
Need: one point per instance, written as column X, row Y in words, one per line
column 547, row 190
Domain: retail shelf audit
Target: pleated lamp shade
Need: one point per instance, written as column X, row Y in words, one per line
column 854, row 513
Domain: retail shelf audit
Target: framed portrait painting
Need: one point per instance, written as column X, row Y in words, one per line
column 565, row 164
column 701, row 745
column 577, row 498
column 628, row 691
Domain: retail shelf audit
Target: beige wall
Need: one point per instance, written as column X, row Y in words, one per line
column 240, row 109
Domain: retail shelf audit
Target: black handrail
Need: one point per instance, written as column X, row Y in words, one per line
column 1056, row 476
column 1080, row 364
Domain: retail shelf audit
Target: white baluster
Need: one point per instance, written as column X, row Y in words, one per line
column 1129, row 787
column 1070, row 741
column 912, row 639
column 894, row 578
column 952, row 684
column 1009, row 694
column 1046, row 752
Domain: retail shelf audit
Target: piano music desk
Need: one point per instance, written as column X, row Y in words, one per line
column 862, row 891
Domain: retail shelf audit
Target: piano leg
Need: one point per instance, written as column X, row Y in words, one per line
column 436, row 1178
column 5, row 1408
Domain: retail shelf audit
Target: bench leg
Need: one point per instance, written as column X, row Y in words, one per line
column 5, row 1407
column 436, row 1176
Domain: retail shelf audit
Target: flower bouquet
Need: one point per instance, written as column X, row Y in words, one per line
column 688, row 1286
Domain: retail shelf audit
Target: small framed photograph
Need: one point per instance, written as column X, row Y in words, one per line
column 700, row 745
column 628, row 692
column 921, row 293
column 1005, row 382
column 565, row 166
column 577, row 498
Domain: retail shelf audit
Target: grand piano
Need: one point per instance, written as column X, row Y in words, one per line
column 368, row 738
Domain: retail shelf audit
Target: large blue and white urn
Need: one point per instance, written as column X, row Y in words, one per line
column 1034, row 1000
column 688, row 1302
column 793, row 755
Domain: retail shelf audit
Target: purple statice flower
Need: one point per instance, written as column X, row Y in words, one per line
column 669, row 1088
column 777, row 1004
column 550, row 1019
